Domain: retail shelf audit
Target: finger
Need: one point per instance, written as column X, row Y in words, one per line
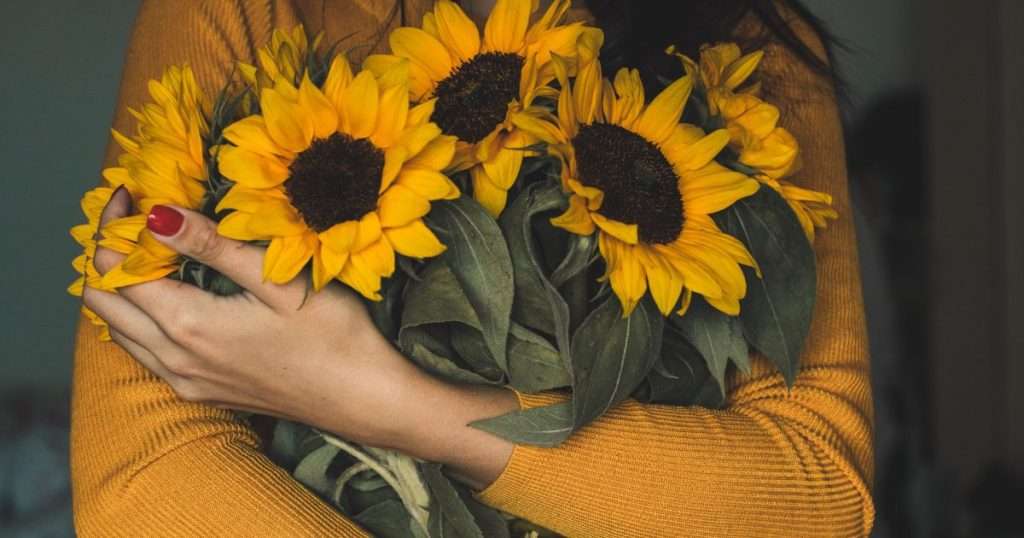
column 144, row 356
column 195, row 236
column 125, row 317
column 119, row 205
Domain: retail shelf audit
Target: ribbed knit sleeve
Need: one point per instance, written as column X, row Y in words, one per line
column 775, row 462
column 144, row 462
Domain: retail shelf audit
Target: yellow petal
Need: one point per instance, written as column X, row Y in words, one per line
column 381, row 65
column 251, row 133
column 361, row 279
column 320, row 109
column 369, row 231
column 741, row 69
column 414, row 240
column 624, row 272
column 489, row 195
column 338, row 78
column 423, row 50
column 587, row 92
column 421, row 113
column 400, row 206
column 360, row 106
column 665, row 283
column 576, row 218
column 236, row 226
column 436, row 155
column 539, row 128
column 503, row 168
column 428, row 184
column 378, row 258
column 289, row 125
column 248, row 200
column 627, row 233
column 457, row 31
column 392, row 113
column 700, row 153
column 286, row 256
column 251, row 169
column 729, row 306
column 277, row 218
column 340, row 237
column 505, row 30
column 659, row 120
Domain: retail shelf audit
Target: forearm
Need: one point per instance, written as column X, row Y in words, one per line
column 144, row 462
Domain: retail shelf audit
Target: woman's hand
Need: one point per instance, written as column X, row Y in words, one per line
column 274, row 349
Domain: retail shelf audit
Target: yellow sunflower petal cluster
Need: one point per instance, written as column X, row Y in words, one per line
column 647, row 184
column 754, row 132
column 286, row 56
column 162, row 164
column 340, row 175
column 85, row 235
column 480, row 81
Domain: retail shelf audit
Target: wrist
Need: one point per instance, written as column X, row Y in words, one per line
column 435, row 427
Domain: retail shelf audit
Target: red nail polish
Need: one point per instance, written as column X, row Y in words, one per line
column 165, row 221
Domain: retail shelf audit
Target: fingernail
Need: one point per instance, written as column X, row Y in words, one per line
column 165, row 221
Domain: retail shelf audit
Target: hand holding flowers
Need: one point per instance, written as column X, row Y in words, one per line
column 274, row 349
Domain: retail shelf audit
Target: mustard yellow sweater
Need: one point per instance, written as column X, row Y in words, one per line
column 776, row 462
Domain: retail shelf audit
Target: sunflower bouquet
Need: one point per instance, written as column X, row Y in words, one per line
column 511, row 216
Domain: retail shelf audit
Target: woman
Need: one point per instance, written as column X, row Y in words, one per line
column 155, row 450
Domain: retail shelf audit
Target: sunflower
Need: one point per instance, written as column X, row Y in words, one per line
column 162, row 164
column 341, row 175
column 286, row 56
column 647, row 184
column 480, row 82
column 85, row 235
column 754, row 134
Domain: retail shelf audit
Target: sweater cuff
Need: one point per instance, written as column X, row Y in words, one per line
column 517, row 473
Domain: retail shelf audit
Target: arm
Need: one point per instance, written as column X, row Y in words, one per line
column 143, row 461
column 775, row 462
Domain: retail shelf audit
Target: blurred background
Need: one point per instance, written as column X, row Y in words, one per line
column 935, row 141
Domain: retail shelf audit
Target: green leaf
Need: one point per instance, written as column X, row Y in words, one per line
column 387, row 519
column 717, row 336
column 386, row 312
column 490, row 521
column 449, row 516
column 681, row 377
column 776, row 313
column 541, row 426
column 312, row 470
column 538, row 305
column 479, row 258
column 444, row 367
column 471, row 348
column 580, row 253
column 438, row 298
column 611, row 356
column 534, row 365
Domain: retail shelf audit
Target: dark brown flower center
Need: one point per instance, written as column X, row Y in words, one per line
column 336, row 179
column 474, row 98
column 640, row 187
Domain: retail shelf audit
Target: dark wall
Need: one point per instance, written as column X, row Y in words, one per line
column 59, row 71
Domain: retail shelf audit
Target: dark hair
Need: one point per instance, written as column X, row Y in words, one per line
column 638, row 31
